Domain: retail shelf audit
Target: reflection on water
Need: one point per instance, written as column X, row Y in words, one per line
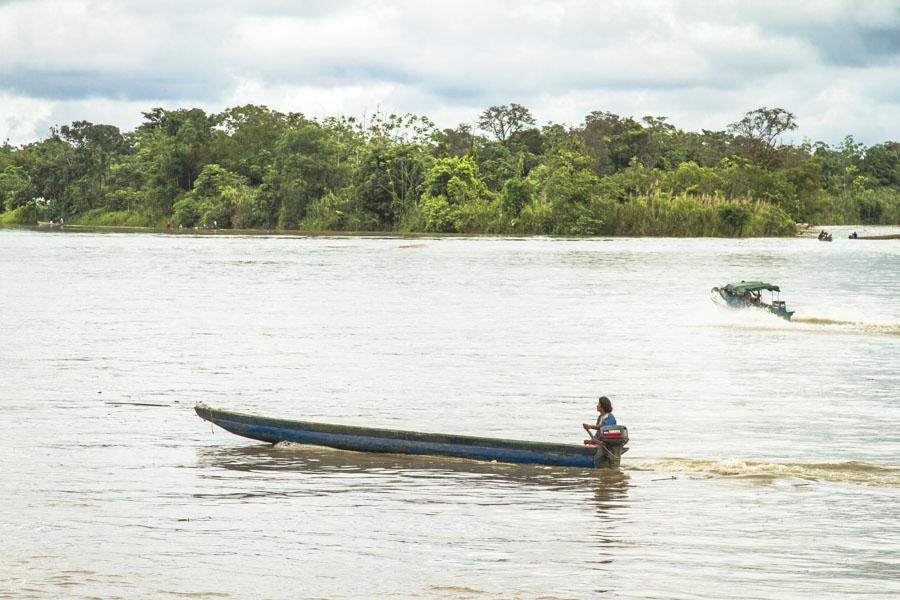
column 493, row 519
column 290, row 458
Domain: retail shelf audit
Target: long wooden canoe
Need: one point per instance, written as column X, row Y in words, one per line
column 889, row 236
column 369, row 439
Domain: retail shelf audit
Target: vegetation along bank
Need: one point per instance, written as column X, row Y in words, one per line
column 254, row 168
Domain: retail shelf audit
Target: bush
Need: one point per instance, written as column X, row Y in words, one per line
column 437, row 215
column 690, row 178
column 333, row 212
column 119, row 218
column 22, row 215
column 478, row 216
column 771, row 221
column 734, row 216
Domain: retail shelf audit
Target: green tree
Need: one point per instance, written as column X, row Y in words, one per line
column 455, row 142
column 387, row 179
column 220, row 197
column 736, row 216
column 389, row 167
column 305, row 168
column 15, row 188
column 882, row 163
column 614, row 142
column 51, row 166
column 690, row 178
column 840, row 164
column 568, row 201
column 188, row 133
column 758, row 132
column 251, row 134
column 96, row 148
column 503, row 121
column 450, row 185
column 517, row 193
column 172, row 147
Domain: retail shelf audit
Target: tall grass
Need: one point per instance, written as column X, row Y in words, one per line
column 118, row 218
column 683, row 215
column 660, row 214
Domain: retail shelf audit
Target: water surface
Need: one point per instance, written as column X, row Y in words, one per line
column 765, row 455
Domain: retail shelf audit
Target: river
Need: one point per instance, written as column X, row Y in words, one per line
column 764, row 461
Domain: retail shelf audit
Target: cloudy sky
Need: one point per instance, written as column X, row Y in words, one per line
column 834, row 63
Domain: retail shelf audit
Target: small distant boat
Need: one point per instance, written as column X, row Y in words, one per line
column 748, row 294
column 368, row 439
column 890, row 236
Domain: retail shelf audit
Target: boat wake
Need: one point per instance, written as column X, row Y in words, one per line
column 852, row 472
column 822, row 321
column 758, row 321
column 839, row 326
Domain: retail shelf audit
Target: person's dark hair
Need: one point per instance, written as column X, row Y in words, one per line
column 605, row 404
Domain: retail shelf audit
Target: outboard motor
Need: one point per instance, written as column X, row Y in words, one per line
column 611, row 440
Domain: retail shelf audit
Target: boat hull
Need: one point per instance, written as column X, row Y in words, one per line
column 367, row 439
column 719, row 296
column 890, row 236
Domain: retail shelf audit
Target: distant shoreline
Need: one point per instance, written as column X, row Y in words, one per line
column 809, row 232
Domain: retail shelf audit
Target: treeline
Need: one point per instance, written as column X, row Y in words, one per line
column 252, row 167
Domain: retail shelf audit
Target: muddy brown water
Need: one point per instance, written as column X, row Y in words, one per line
column 765, row 455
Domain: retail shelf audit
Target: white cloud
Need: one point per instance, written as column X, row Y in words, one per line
column 701, row 64
column 23, row 119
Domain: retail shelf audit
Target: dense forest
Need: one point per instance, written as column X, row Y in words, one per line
column 250, row 167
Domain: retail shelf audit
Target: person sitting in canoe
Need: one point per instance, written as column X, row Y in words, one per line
column 604, row 419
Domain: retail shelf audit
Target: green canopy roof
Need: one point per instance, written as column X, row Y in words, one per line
column 750, row 286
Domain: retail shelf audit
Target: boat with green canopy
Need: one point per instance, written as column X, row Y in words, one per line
column 753, row 294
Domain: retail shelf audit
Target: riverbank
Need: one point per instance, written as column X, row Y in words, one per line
column 653, row 215
column 840, row 232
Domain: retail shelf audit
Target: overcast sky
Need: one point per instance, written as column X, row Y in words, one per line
column 833, row 63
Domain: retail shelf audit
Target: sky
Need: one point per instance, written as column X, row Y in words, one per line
column 835, row 64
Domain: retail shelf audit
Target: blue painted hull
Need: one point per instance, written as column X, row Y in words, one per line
column 367, row 439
